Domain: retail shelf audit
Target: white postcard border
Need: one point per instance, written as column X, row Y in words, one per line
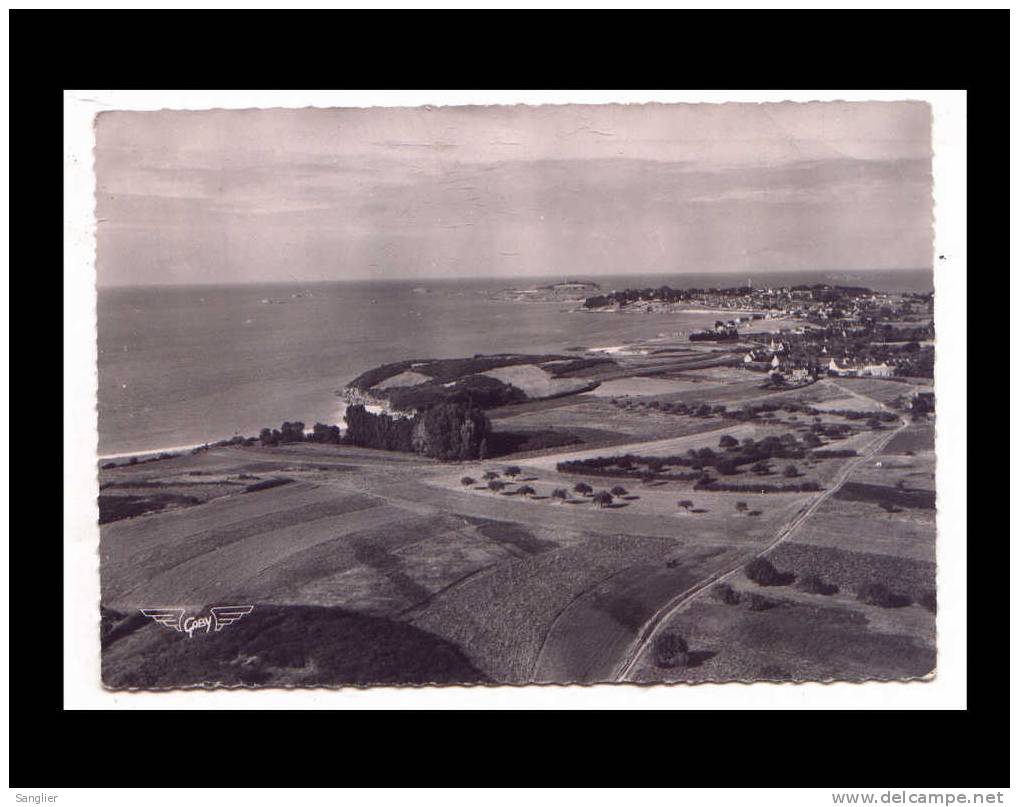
column 82, row 688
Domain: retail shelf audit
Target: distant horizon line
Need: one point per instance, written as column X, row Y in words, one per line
column 519, row 278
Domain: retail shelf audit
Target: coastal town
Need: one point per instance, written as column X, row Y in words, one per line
column 844, row 331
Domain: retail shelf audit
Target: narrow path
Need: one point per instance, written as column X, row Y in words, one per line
column 663, row 615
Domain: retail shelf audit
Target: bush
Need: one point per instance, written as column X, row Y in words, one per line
column 618, row 490
column 526, row 490
column 603, row 498
column 583, row 488
column 790, row 471
column 813, row 584
column 467, row 481
column 763, row 572
column 728, row 441
column 560, row 493
column 725, row 594
column 671, row 650
column 512, row 470
column 495, row 485
column 879, row 594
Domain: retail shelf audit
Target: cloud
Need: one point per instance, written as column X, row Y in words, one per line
column 263, row 195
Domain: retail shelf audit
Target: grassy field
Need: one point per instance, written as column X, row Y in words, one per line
column 536, row 382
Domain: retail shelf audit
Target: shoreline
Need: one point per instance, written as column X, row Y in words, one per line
column 153, row 452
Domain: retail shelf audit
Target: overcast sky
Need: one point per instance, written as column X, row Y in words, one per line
column 325, row 194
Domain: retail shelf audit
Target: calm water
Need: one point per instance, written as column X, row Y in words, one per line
column 183, row 365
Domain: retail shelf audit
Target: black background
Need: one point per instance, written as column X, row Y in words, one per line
column 54, row 51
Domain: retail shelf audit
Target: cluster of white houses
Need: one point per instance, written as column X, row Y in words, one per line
column 851, row 368
column 773, row 358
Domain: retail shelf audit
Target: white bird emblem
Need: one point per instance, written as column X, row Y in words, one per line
column 219, row 618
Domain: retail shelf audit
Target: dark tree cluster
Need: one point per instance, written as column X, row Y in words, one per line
column 287, row 433
column 473, row 390
column 378, row 431
column 450, row 431
column 321, row 433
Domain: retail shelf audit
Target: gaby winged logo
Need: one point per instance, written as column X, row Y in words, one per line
column 218, row 618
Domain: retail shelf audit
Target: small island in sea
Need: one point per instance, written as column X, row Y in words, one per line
column 568, row 291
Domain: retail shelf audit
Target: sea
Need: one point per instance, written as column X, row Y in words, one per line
column 184, row 365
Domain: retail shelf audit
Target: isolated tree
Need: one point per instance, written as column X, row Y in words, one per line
column 467, row 481
column 512, row 471
column 618, row 490
column 742, row 506
column 496, row 485
column 603, row 498
column 489, row 475
column 686, row 504
column 561, row 494
column 583, row 488
column 790, row 471
column 526, row 490
column 727, row 441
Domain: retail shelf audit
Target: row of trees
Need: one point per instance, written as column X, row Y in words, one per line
column 603, row 498
column 294, row 433
column 450, row 431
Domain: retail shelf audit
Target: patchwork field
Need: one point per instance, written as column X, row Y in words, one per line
column 368, row 566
